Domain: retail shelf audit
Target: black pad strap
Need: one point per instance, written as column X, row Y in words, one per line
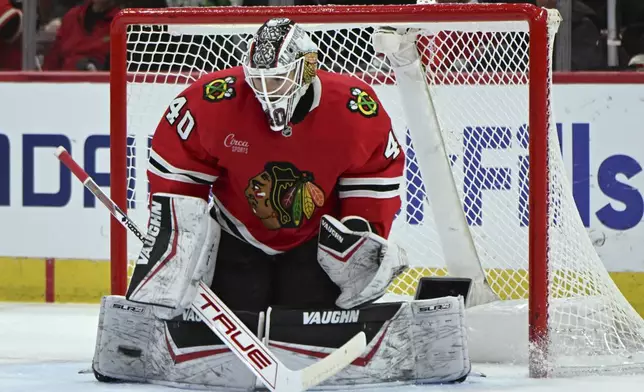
column 442, row 286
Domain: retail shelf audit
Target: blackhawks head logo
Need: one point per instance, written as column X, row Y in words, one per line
column 283, row 196
column 362, row 103
column 219, row 89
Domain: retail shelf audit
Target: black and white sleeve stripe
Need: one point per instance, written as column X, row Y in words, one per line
column 374, row 187
column 163, row 169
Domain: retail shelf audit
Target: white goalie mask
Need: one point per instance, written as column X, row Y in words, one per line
column 280, row 64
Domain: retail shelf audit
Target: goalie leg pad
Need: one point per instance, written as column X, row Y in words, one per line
column 411, row 342
column 134, row 345
column 180, row 250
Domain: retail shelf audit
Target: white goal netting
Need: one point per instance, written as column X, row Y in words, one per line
column 477, row 77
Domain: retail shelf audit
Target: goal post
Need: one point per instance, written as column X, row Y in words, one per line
column 483, row 155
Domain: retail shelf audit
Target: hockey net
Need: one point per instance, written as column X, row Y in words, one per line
column 484, row 90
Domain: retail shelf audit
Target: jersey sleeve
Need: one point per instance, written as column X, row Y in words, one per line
column 371, row 187
column 179, row 163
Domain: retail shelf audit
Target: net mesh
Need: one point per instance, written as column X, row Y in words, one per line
column 477, row 75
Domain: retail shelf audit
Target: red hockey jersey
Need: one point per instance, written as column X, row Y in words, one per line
column 270, row 190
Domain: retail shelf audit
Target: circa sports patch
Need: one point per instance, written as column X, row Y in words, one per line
column 219, row 89
column 363, row 103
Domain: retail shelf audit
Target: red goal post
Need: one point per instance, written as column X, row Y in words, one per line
column 535, row 77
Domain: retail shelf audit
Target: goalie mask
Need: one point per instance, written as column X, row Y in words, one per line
column 279, row 67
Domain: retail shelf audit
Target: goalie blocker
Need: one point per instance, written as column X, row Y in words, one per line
column 421, row 341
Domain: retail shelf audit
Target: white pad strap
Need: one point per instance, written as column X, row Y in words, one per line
column 362, row 264
column 179, row 252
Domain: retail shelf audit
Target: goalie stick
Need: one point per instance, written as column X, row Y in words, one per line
column 223, row 322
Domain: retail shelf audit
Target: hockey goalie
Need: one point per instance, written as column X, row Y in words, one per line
column 302, row 170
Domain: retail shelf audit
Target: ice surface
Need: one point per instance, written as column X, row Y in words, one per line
column 43, row 347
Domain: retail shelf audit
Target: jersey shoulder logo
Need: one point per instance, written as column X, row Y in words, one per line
column 220, row 89
column 282, row 195
column 363, row 103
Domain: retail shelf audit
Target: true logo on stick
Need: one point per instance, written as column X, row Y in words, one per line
column 241, row 338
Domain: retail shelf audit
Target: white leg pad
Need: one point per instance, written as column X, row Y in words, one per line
column 133, row 345
column 424, row 342
column 180, row 250
column 409, row 342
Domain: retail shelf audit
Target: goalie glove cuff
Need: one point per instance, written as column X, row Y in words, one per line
column 361, row 263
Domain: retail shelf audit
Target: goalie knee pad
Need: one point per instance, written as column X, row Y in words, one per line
column 134, row 345
column 179, row 251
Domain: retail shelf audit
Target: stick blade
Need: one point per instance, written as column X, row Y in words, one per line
column 334, row 362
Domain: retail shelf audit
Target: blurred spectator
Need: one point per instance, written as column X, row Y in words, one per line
column 10, row 36
column 632, row 32
column 588, row 50
column 632, row 12
column 51, row 12
column 589, row 31
column 633, row 43
column 83, row 40
column 637, row 63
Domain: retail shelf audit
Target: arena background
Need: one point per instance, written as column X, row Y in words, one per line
column 55, row 238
